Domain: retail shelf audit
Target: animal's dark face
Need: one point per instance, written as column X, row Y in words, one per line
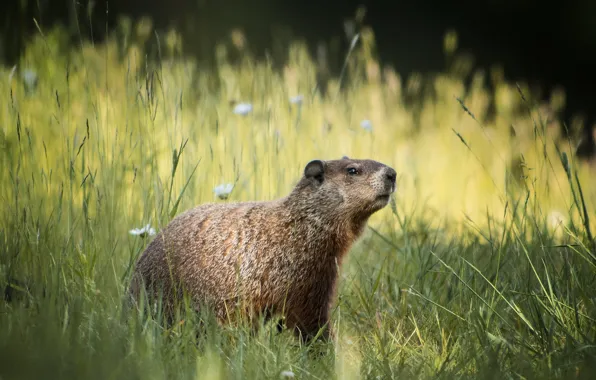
column 357, row 187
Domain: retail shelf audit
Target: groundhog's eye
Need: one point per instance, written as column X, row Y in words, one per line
column 352, row 171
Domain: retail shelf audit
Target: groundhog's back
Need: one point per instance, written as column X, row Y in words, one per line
column 217, row 250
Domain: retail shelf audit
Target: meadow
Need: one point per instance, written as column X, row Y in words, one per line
column 483, row 266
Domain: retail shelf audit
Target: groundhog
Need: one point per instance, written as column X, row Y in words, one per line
column 269, row 258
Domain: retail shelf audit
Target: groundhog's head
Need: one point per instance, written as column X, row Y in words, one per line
column 348, row 188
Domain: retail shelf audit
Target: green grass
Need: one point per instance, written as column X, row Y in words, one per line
column 465, row 275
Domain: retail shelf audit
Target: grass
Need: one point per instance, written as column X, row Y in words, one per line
column 466, row 275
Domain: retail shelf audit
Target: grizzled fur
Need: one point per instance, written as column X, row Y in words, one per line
column 279, row 257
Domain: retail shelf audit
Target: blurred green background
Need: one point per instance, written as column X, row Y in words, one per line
column 122, row 116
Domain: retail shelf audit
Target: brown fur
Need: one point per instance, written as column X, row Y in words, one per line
column 276, row 257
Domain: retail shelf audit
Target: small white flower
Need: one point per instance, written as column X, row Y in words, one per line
column 289, row 374
column 242, row 108
column 296, row 99
column 30, row 80
column 29, row 76
column 366, row 124
column 142, row 232
column 555, row 219
column 223, row 191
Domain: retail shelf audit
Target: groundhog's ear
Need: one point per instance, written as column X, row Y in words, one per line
column 315, row 170
column 345, row 158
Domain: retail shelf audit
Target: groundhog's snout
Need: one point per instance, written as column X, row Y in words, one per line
column 390, row 177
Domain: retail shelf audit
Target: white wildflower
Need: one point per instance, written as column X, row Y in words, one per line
column 296, row 99
column 142, row 232
column 29, row 76
column 242, row 108
column 556, row 219
column 289, row 374
column 30, row 80
column 223, row 191
column 366, row 124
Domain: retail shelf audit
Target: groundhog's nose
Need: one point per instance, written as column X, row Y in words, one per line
column 391, row 175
